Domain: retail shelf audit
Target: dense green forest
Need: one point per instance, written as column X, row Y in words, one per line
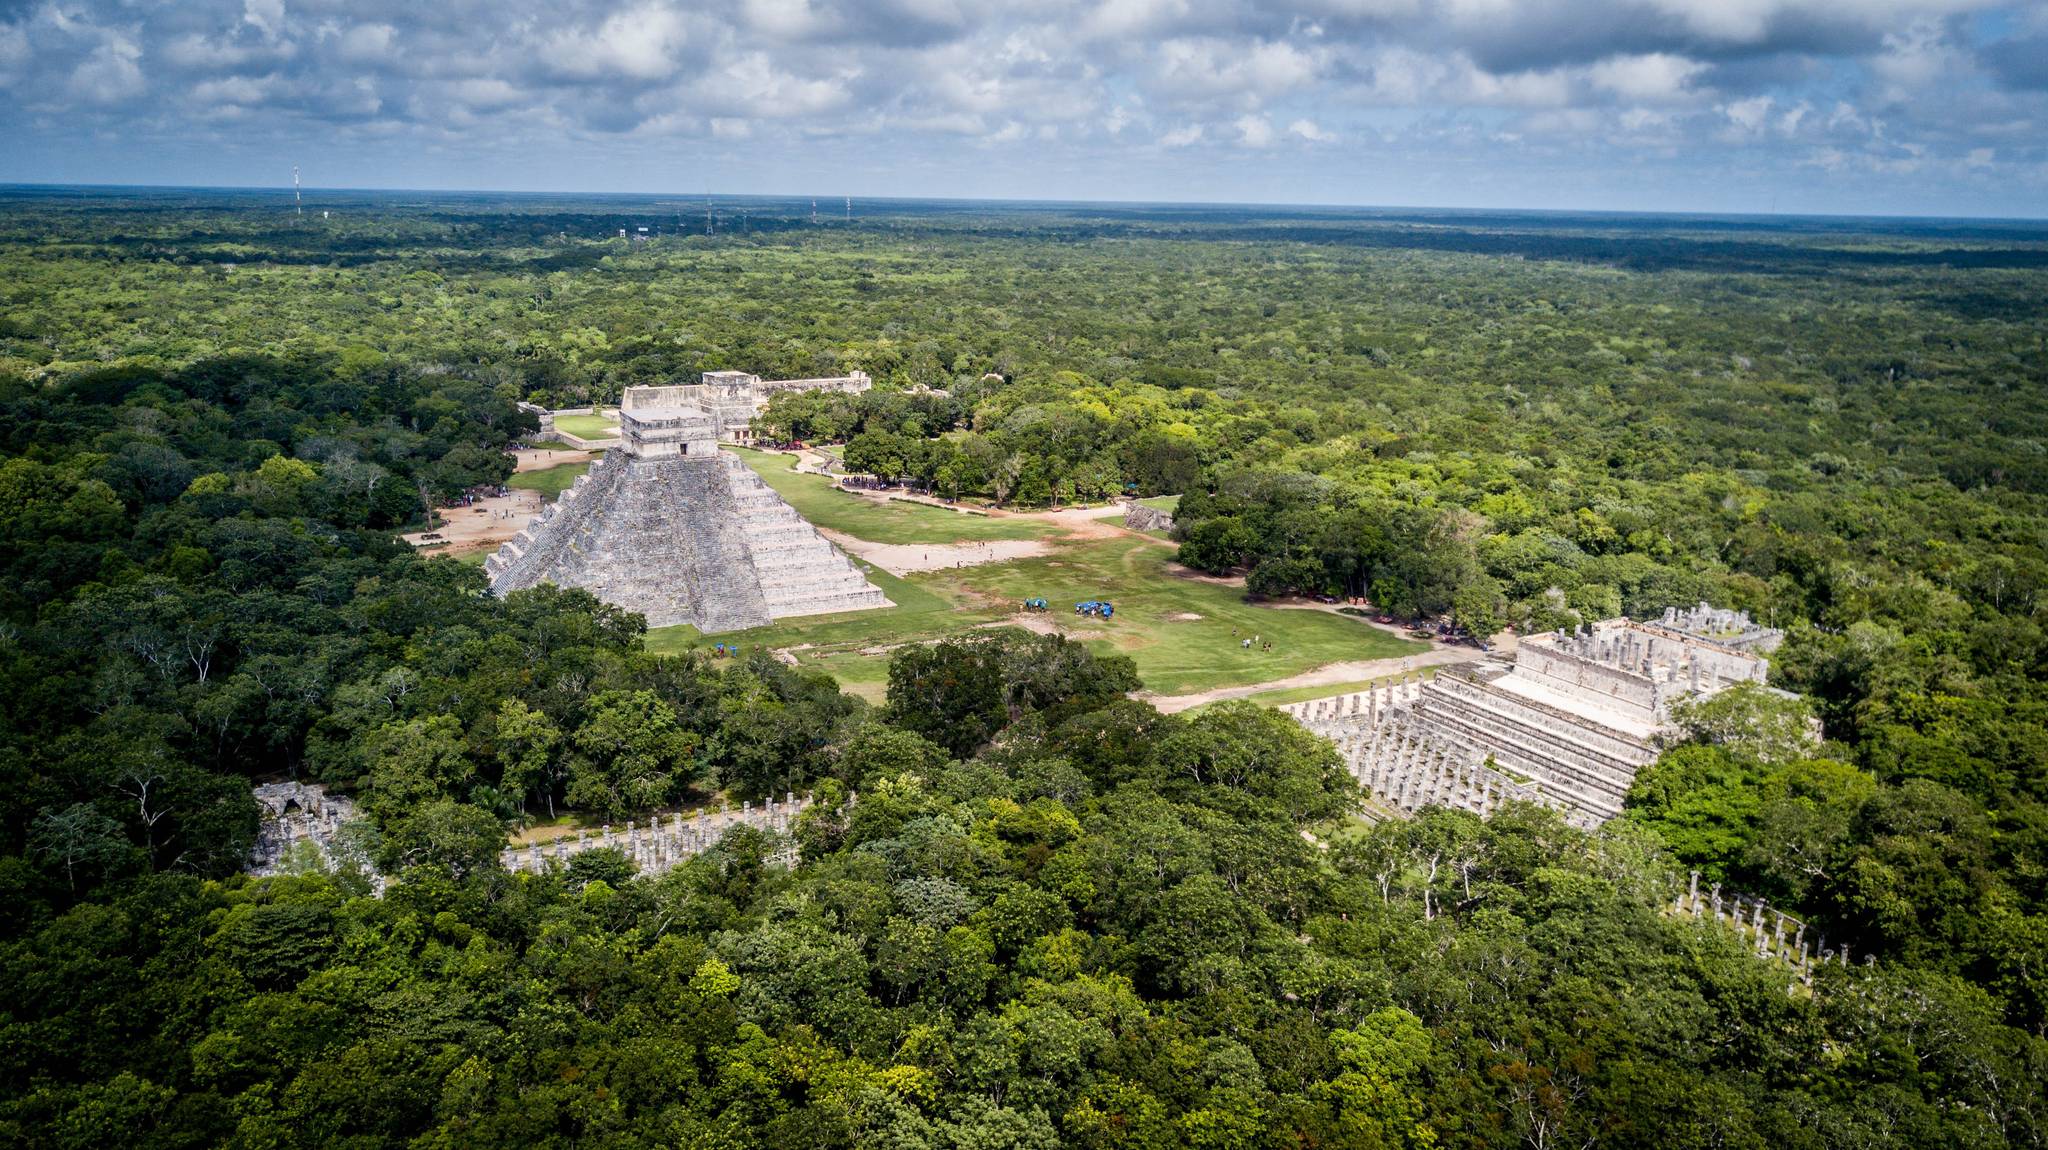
column 1030, row 912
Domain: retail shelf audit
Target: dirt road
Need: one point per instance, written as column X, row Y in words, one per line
column 904, row 558
column 1328, row 675
column 540, row 459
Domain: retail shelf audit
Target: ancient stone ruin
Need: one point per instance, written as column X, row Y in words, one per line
column 1567, row 724
column 1139, row 517
column 656, row 846
column 669, row 526
column 294, row 813
column 1769, row 932
column 734, row 398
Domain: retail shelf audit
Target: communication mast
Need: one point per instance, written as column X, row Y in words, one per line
column 849, row 209
column 814, row 211
column 297, row 202
column 710, row 224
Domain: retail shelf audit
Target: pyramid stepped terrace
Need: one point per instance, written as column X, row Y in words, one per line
column 669, row 526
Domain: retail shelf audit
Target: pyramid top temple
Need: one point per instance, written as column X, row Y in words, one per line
column 671, row 527
column 734, row 398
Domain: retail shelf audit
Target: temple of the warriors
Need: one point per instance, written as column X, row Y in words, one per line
column 734, row 398
column 1568, row 723
column 671, row 527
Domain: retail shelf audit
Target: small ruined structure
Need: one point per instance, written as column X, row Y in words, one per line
column 734, row 398
column 671, row 527
column 1138, row 517
column 1567, row 724
column 293, row 813
column 657, row 846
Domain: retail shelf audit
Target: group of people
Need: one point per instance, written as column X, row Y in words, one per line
column 1251, row 642
column 724, row 650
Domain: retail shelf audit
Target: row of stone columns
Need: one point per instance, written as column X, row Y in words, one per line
column 657, row 846
column 1369, row 705
column 1770, row 932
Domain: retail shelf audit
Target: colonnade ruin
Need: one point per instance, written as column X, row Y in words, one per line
column 1567, row 724
column 295, row 813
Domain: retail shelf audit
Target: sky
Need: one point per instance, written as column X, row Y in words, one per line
column 1905, row 107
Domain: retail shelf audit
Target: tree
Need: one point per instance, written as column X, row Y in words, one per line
column 1752, row 720
column 413, row 763
column 951, row 693
column 526, row 751
column 1260, row 753
column 79, row 839
column 631, row 755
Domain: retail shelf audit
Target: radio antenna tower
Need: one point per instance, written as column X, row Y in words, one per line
column 849, row 209
column 297, row 202
column 814, row 211
column 710, row 224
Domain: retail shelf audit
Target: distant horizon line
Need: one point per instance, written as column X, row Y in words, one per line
column 286, row 191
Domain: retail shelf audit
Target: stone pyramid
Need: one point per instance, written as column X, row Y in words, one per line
column 669, row 526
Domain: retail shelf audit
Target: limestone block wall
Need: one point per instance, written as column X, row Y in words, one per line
column 798, row 571
column 1576, row 674
column 1566, row 756
column 527, row 557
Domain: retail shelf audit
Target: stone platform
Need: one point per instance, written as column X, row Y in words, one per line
column 1568, row 724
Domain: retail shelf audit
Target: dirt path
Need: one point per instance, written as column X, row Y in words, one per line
column 1329, row 674
column 540, row 458
column 481, row 526
column 904, row 558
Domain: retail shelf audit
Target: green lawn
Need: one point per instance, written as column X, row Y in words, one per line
column 1184, row 634
column 815, row 498
column 1164, row 503
column 1174, row 654
column 588, row 426
column 549, row 482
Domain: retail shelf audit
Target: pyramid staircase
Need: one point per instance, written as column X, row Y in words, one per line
column 693, row 539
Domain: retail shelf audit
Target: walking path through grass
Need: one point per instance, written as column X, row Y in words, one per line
column 1321, row 683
